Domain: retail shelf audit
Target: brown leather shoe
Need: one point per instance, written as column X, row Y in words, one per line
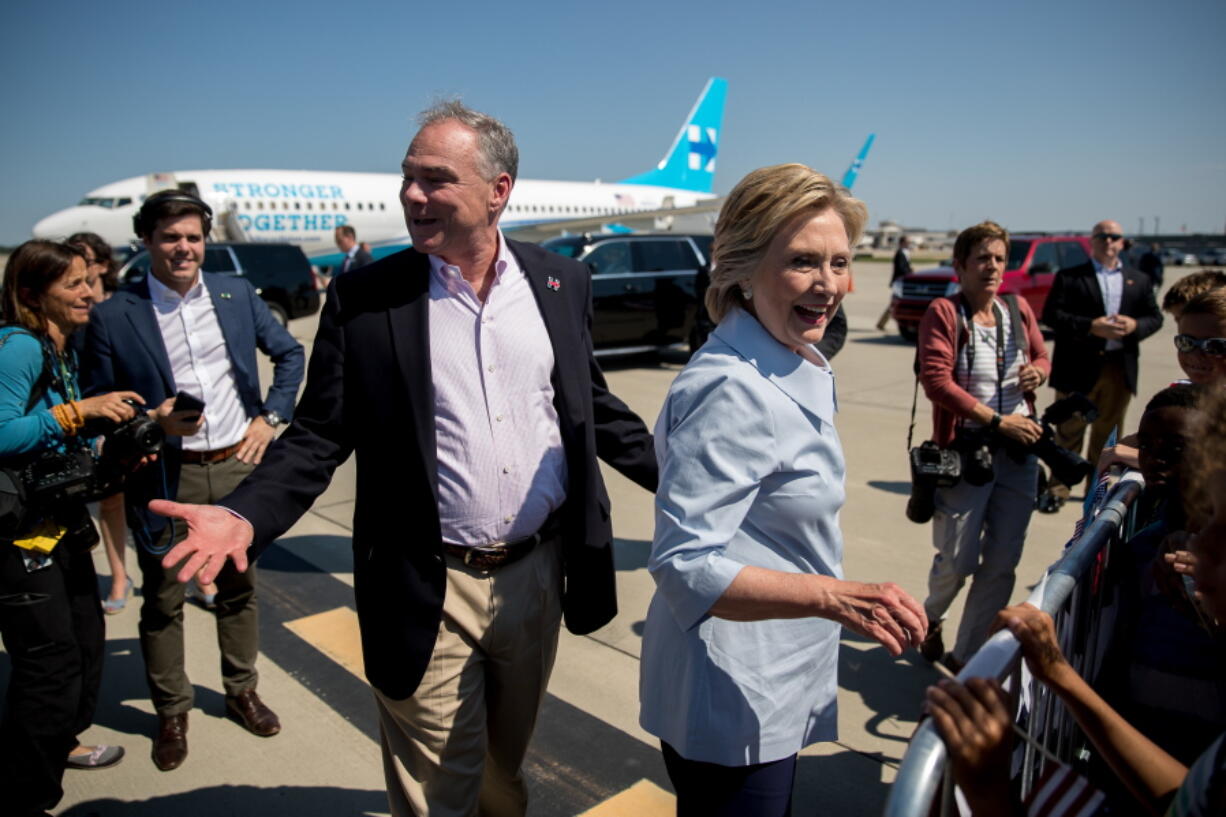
column 247, row 708
column 170, row 745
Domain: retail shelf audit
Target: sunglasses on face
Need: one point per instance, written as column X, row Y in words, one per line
column 1208, row 346
column 1108, row 236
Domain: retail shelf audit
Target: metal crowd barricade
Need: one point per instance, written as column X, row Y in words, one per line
column 923, row 766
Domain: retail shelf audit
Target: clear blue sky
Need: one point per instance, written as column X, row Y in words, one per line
column 1040, row 115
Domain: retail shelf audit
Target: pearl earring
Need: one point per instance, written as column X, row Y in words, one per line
column 747, row 292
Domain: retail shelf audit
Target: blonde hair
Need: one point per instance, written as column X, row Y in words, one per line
column 756, row 209
column 1211, row 302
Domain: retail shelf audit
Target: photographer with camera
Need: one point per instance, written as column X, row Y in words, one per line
column 50, row 613
column 980, row 359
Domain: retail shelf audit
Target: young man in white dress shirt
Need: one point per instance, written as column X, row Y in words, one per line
column 186, row 331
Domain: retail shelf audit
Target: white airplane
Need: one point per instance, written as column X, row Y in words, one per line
column 304, row 207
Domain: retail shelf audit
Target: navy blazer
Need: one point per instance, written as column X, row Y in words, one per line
column 1074, row 302
column 124, row 351
column 370, row 392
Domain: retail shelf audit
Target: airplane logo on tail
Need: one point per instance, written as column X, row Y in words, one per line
column 849, row 178
column 689, row 164
column 701, row 148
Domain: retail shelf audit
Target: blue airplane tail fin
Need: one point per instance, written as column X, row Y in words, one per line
column 849, row 178
column 690, row 162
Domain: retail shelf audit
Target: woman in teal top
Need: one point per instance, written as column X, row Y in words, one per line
column 50, row 614
column 740, row 647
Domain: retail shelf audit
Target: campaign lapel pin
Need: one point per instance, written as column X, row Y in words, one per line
column 553, row 283
column 225, row 296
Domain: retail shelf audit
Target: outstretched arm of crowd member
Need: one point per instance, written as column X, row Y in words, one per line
column 1124, row 452
column 1149, row 773
column 976, row 723
column 213, row 535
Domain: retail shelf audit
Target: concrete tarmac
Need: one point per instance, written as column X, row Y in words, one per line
column 589, row 755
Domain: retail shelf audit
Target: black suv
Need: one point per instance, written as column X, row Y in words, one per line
column 642, row 287
column 280, row 273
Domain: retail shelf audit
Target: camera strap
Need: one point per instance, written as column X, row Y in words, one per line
column 1000, row 350
column 916, row 367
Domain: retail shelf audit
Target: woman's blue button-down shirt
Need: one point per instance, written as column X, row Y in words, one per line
column 751, row 473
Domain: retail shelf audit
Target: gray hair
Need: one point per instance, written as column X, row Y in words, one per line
column 494, row 139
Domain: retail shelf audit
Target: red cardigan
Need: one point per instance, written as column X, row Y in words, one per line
column 938, row 356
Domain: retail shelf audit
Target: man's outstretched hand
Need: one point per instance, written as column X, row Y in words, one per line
column 213, row 534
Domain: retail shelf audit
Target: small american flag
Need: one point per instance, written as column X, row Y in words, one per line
column 1061, row 792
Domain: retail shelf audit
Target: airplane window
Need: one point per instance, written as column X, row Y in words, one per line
column 285, row 205
column 124, row 202
column 259, row 205
column 336, row 205
column 382, row 206
column 297, row 205
column 246, row 205
column 346, row 205
column 359, row 205
column 309, row 207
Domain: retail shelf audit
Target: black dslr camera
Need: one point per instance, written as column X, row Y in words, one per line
column 55, row 477
column 126, row 444
column 932, row 467
column 1066, row 466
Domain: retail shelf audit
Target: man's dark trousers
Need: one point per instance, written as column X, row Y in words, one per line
column 161, row 620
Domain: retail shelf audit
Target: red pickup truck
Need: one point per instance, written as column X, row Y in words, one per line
column 1033, row 263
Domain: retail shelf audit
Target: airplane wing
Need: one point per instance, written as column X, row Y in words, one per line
column 663, row 219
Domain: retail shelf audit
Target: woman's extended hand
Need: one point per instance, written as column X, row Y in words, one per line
column 110, row 406
column 883, row 612
column 1036, row 632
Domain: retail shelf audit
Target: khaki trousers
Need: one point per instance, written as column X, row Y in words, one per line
column 161, row 614
column 979, row 532
column 1111, row 396
column 454, row 749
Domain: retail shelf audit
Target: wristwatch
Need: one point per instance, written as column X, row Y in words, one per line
column 994, row 423
column 272, row 418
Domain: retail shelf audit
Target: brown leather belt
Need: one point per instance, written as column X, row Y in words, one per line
column 209, row 457
column 500, row 554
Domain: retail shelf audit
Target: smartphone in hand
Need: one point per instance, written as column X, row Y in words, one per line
column 189, row 402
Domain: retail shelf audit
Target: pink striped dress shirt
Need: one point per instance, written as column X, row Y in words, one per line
column 501, row 466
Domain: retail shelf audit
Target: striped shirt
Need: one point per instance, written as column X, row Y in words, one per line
column 977, row 369
column 501, row 466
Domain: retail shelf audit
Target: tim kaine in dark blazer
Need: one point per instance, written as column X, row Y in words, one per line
column 378, row 403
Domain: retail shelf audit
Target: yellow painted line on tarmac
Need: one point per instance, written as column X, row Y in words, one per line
column 643, row 799
column 335, row 634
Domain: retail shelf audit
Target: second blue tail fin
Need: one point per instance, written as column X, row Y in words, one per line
column 849, row 178
column 690, row 162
